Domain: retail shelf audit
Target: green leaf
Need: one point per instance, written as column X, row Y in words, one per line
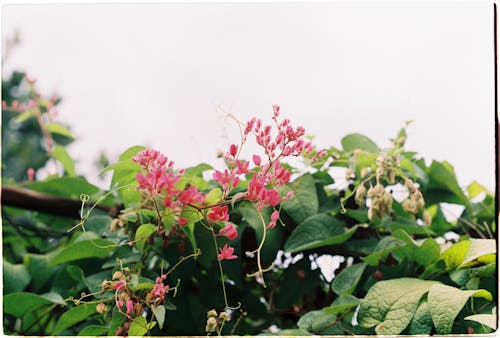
column 139, row 327
column 54, row 297
column 316, row 321
column 198, row 170
column 117, row 320
column 445, row 302
column 455, row 255
column 15, row 277
column 56, row 128
column 305, row 202
column 442, row 176
column 40, row 268
column 359, row 141
column 93, row 248
column 93, row 330
column 422, row 320
column 74, row 316
column 316, row 231
column 159, row 312
column 26, row 115
column 342, row 304
column 292, row 332
column 424, row 253
column 479, row 248
column 475, row 189
column 390, row 305
column 214, row 196
column 62, row 156
column 488, row 319
column 19, row 303
column 70, row 187
column 383, row 249
column 347, row 280
column 142, row 234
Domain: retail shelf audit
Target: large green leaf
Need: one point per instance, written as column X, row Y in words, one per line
column 139, row 327
column 383, row 249
column 316, row 321
column 15, row 277
column 424, row 253
column 40, row 268
column 455, row 255
column 358, row 141
column 488, row 319
column 342, row 304
column 442, row 176
column 480, row 251
column 62, row 156
column 305, row 202
column 74, row 316
column 347, row 280
column 390, row 305
column 93, row 248
column 70, row 187
column 445, row 302
column 93, row 330
column 19, row 303
column 316, row 231
column 422, row 320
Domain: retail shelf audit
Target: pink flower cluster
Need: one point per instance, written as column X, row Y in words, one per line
column 129, row 305
column 159, row 289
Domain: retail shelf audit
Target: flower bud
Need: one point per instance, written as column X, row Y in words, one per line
column 212, row 313
column 118, row 275
column 409, row 184
column 101, row 308
column 387, row 200
column 370, row 213
column 378, row 190
column 211, row 324
column 359, row 198
column 364, row 171
column 348, row 173
column 379, row 161
column 427, row 218
column 410, row 205
column 392, row 177
column 380, row 171
column 224, row 315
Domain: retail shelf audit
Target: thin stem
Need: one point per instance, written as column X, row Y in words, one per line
column 220, row 267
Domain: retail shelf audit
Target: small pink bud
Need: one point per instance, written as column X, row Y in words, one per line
column 31, row 174
column 275, row 215
column 182, row 221
column 233, row 150
column 256, row 159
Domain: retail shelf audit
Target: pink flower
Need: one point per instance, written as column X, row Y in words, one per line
column 151, row 159
column 31, row 174
column 226, row 252
column 229, row 231
column 153, row 182
column 159, row 289
column 288, row 195
column 130, row 306
column 275, row 215
column 182, row 221
column 276, row 110
column 119, row 285
column 191, row 196
column 218, row 213
column 119, row 304
column 271, row 197
column 233, row 150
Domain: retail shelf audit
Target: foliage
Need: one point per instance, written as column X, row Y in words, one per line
column 241, row 253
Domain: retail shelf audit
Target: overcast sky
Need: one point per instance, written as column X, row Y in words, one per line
column 156, row 74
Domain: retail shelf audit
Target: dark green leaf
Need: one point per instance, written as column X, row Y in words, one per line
column 347, row 280
column 316, row 231
column 17, row 304
column 93, row 248
column 304, row 203
column 74, row 316
column 15, row 277
column 93, row 330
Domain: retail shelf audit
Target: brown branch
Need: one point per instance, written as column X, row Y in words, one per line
column 60, row 206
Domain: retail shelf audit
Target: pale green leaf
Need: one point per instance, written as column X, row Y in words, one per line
column 56, row 128
column 488, row 319
column 390, row 305
column 355, row 141
column 422, row 320
column 479, row 248
column 445, row 302
column 62, row 156
column 159, row 312
column 139, row 327
column 142, row 234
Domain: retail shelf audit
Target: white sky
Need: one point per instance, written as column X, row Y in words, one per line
column 155, row 74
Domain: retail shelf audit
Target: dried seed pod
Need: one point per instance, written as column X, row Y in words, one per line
column 118, row 275
column 392, row 176
column 348, row 173
column 364, row 172
column 379, row 161
column 212, row 313
column 359, row 197
column 409, row 184
column 380, row 171
column 224, row 315
column 427, row 218
column 410, row 205
column 370, row 213
column 378, row 190
column 387, row 200
column 211, row 324
column 101, row 308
